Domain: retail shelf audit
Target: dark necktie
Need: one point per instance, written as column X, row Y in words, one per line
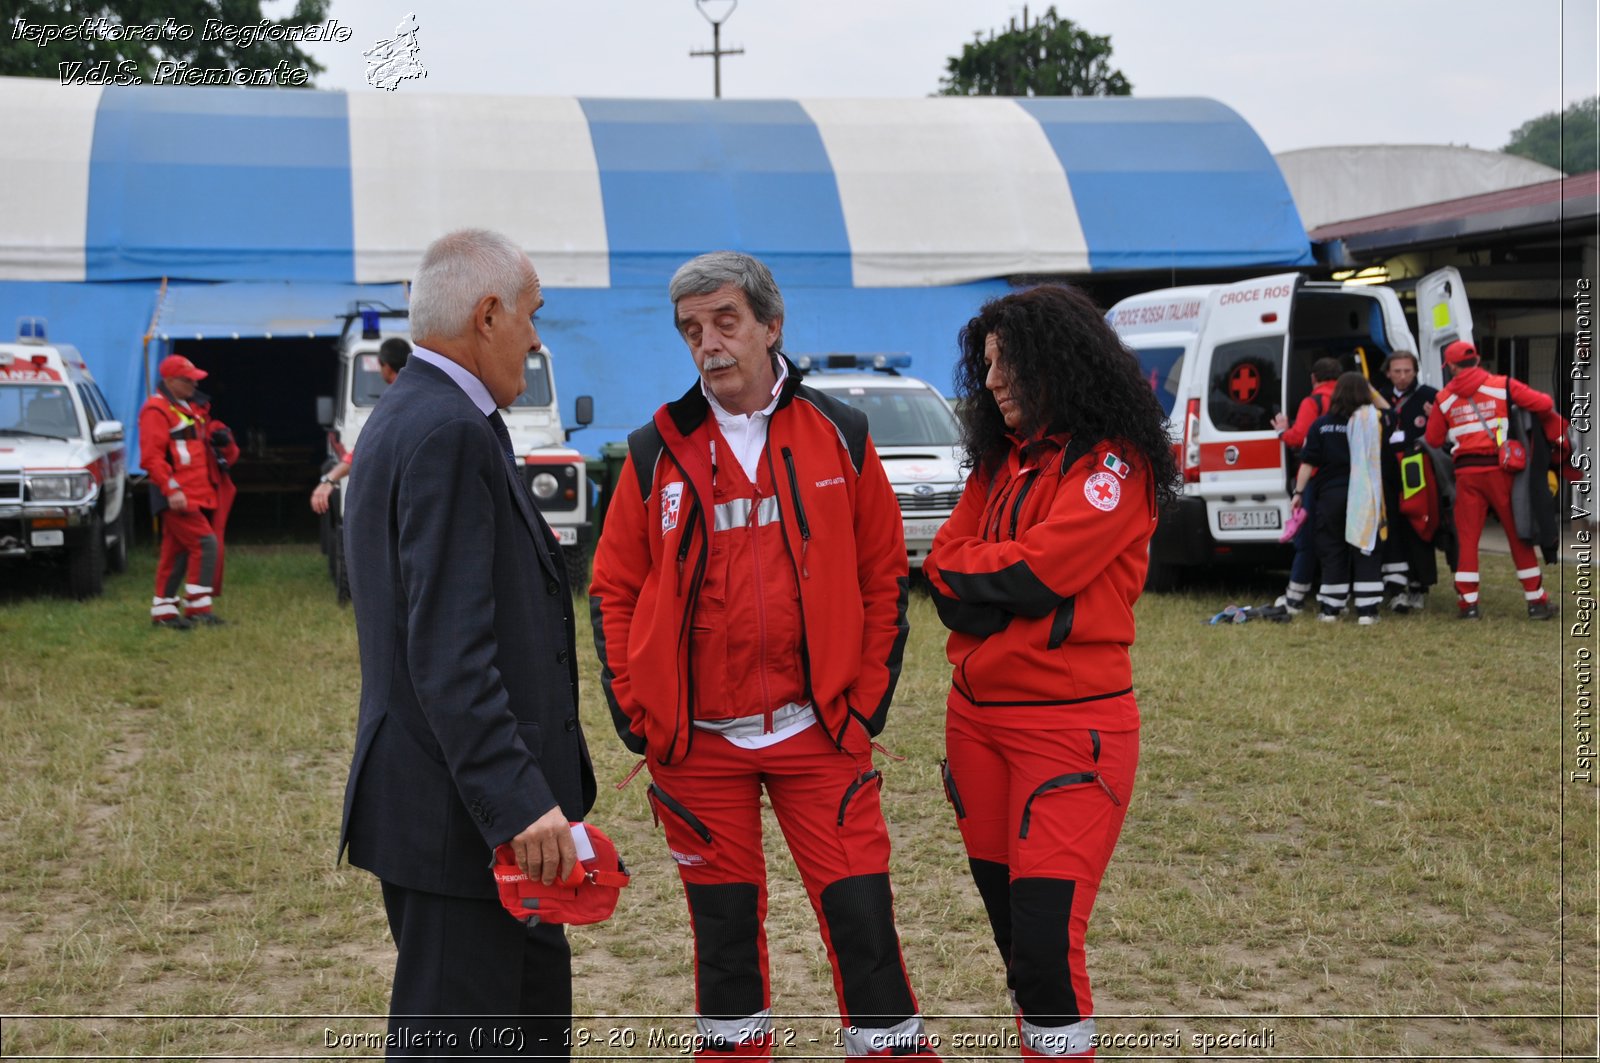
column 500, row 432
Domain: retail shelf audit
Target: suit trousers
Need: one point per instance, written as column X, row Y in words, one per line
column 472, row 982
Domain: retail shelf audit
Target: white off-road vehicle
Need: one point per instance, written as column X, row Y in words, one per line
column 913, row 428
column 556, row 474
column 63, row 463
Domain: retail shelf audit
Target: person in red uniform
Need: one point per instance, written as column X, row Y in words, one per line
column 175, row 450
column 1303, row 569
column 748, row 604
column 1035, row 574
column 1472, row 413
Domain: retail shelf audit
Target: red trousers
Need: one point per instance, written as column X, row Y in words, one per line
column 826, row 801
column 219, row 525
column 1479, row 490
column 1040, row 807
column 188, row 545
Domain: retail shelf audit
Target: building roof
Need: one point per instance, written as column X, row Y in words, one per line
column 1332, row 184
column 1549, row 203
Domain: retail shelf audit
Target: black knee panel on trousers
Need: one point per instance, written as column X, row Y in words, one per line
column 1041, row 911
column 859, row 911
column 727, row 964
column 994, row 887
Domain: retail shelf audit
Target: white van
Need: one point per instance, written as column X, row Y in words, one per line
column 1224, row 359
column 63, row 462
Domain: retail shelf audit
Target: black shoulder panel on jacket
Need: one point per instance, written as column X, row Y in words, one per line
column 850, row 422
column 644, row 447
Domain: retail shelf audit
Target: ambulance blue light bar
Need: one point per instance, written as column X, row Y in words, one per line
column 885, row 362
column 31, row 330
column 369, row 324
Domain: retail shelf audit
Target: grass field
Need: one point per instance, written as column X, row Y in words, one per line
column 1345, row 842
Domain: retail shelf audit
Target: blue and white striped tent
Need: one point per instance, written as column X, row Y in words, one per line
column 886, row 222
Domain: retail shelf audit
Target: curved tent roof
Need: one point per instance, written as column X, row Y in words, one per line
column 233, row 184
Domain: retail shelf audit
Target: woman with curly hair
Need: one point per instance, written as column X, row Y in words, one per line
column 1035, row 574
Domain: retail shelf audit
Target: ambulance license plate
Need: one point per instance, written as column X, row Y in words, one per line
column 922, row 529
column 1266, row 518
column 566, row 536
column 53, row 537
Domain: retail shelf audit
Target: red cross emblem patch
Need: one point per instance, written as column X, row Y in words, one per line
column 1103, row 491
column 1244, row 382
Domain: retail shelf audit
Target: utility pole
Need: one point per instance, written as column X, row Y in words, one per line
column 717, row 51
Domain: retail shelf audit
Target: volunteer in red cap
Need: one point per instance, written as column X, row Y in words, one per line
column 1473, row 414
column 175, row 450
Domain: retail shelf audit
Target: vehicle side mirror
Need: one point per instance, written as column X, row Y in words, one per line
column 325, row 410
column 582, row 413
column 108, row 432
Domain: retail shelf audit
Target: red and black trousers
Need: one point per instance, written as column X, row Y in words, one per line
column 1040, row 807
column 827, row 805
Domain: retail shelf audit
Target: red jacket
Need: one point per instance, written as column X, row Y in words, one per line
column 175, row 450
column 1453, row 415
column 843, row 542
column 1312, row 406
column 1036, row 573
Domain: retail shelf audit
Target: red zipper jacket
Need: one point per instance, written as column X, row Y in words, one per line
column 1453, row 415
column 175, row 450
column 1311, row 407
column 844, row 543
column 1036, row 573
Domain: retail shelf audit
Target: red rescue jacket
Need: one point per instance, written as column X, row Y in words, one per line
column 1453, row 416
column 842, row 543
column 1311, row 407
column 1036, row 573
column 175, row 451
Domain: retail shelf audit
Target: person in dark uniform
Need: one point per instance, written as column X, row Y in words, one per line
column 1409, row 564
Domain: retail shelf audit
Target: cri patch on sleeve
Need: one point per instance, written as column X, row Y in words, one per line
column 671, row 501
column 1103, row 491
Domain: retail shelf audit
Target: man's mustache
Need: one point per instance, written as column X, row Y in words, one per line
column 725, row 361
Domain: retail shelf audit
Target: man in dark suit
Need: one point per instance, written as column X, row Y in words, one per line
column 468, row 734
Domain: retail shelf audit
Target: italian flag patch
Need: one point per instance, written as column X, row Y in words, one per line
column 1118, row 466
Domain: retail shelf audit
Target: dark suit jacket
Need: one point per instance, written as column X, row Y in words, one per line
column 469, row 728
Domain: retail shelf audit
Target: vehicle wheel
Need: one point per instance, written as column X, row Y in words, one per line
column 117, row 552
column 86, row 560
column 341, row 574
column 577, row 560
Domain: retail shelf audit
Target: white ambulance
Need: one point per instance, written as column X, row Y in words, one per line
column 556, row 474
column 1224, row 359
column 63, row 463
column 913, row 430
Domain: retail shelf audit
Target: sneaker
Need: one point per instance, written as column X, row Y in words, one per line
column 172, row 623
column 1401, row 603
column 1419, row 601
column 1328, row 618
column 1295, row 606
column 1368, row 620
column 207, row 620
column 1469, row 612
column 1541, row 609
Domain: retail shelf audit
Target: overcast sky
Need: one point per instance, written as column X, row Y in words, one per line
column 1303, row 73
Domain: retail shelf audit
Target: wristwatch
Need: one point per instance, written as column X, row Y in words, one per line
column 324, row 479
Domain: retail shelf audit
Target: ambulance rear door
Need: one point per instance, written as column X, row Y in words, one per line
column 1242, row 358
column 1443, row 317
